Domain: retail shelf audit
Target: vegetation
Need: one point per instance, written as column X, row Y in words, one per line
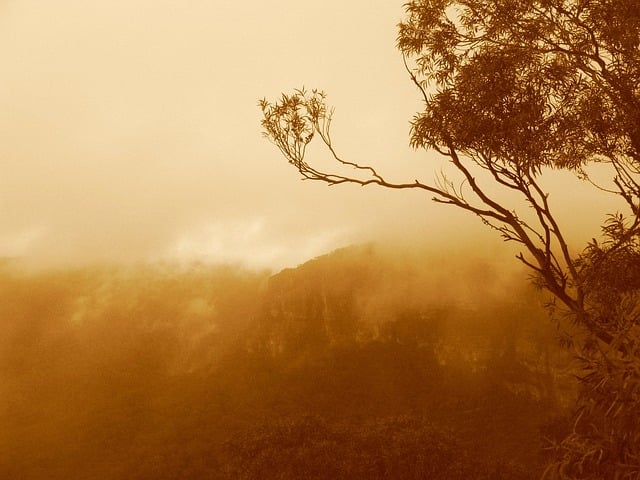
column 513, row 90
column 400, row 447
column 354, row 365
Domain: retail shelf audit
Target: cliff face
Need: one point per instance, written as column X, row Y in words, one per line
column 318, row 303
column 468, row 316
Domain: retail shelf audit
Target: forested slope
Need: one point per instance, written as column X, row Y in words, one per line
column 359, row 364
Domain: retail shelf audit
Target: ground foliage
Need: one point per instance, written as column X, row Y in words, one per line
column 404, row 447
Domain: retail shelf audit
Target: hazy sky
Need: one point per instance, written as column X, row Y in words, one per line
column 129, row 129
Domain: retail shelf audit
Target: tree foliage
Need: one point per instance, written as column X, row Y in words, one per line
column 513, row 90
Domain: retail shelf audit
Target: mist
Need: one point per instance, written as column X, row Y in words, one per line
column 130, row 132
column 174, row 371
column 176, row 303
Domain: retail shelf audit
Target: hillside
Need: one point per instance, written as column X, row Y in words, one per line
column 363, row 363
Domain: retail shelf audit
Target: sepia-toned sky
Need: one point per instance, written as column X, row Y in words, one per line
column 129, row 130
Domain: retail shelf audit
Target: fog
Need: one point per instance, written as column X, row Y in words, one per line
column 167, row 371
column 130, row 131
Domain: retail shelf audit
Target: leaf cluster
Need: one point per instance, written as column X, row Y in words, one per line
column 605, row 440
column 530, row 82
column 292, row 121
column 611, row 268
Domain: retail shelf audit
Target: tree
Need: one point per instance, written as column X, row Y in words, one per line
column 512, row 91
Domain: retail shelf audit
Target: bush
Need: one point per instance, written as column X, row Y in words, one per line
column 312, row 448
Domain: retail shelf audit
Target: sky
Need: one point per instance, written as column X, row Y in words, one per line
column 129, row 130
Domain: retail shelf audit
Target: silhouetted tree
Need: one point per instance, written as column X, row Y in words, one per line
column 512, row 90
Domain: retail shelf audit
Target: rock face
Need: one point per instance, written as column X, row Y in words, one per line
column 466, row 315
column 317, row 304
